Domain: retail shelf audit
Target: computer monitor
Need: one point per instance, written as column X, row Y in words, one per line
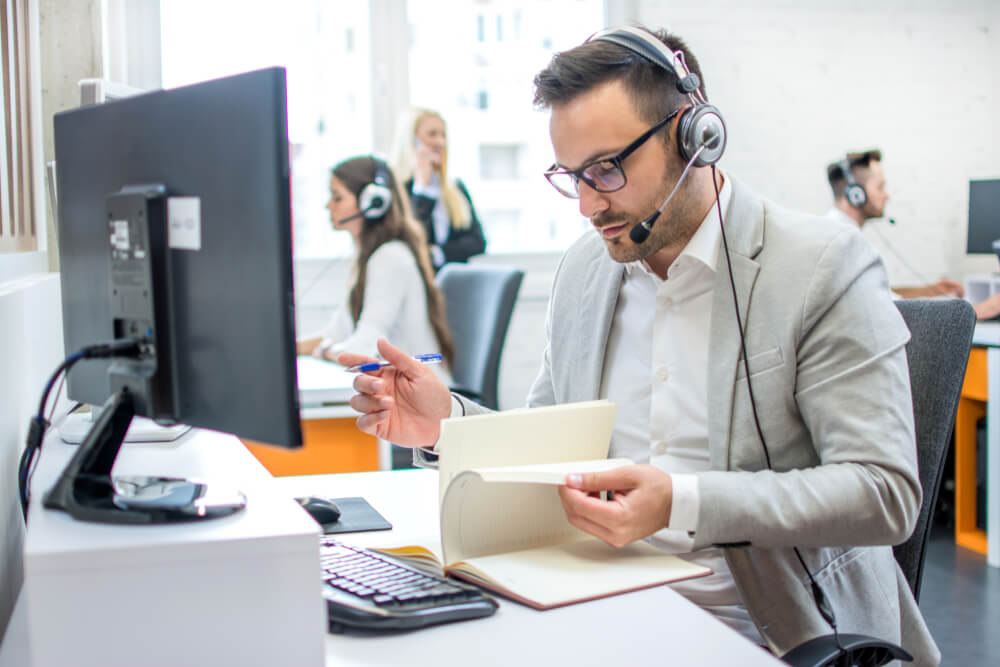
column 175, row 229
column 984, row 216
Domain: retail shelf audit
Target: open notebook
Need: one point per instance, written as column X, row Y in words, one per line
column 503, row 525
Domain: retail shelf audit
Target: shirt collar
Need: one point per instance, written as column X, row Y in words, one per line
column 836, row 214
column 705, row 244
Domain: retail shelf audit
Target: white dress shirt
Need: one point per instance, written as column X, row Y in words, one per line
column 395, row 308
column 656, row 371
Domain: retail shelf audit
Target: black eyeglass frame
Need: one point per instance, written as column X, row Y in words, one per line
column 581, row 175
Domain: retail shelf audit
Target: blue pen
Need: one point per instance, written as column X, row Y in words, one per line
column 376, row 365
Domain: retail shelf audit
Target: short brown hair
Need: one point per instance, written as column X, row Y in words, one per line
column 653, row 90
column 835, row 170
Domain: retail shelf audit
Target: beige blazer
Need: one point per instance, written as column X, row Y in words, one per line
column 830, row 379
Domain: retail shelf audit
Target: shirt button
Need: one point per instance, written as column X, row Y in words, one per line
column 660, row 448
column 662, row 374
column 666, row 301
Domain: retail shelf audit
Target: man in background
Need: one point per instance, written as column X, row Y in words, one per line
column 859, row 195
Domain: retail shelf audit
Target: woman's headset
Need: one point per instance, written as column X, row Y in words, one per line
column 375, row 198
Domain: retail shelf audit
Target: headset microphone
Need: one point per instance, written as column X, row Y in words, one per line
column 357, row 215
column 641, row 231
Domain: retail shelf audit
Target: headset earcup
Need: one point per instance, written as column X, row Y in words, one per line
column 701, row 124
column 856, row 196
column 374, row 201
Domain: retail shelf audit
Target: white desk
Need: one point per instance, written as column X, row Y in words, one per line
column 239, row 590
column 324, row 389
column 653, row 626
column 987, row 334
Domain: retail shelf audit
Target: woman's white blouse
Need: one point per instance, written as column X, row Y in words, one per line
column 395, row 308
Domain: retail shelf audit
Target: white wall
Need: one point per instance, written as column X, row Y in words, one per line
column 802, row 81
column 30, row 349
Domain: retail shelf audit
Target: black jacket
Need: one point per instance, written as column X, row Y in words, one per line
column 461, row 244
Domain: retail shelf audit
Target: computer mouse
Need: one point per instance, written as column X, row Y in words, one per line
column 323, row 511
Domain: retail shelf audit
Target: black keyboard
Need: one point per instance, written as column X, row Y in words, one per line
column 366, row 590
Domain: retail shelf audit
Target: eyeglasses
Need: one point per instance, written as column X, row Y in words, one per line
column 604, row 175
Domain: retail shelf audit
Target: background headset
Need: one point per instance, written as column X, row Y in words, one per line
column 701, row 139
column 701, row 132
column 855, row 193
column 375, row 198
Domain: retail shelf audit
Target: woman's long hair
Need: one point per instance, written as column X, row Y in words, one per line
column 397, row 223
column 403, row 159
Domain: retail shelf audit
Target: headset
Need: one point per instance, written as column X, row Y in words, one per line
column 701, row 139
column 701, row 131
column 375, row 198
column 855, row 193
column 701, row 127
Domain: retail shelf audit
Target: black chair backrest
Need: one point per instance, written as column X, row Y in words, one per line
column 480, row 300
column 938, row 353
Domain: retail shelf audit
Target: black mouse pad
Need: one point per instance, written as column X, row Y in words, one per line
column 356, row 516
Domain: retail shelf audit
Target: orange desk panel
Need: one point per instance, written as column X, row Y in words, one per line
column 329, row 445
column 971, row 408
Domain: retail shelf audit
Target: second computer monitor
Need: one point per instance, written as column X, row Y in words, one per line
column 984, row 216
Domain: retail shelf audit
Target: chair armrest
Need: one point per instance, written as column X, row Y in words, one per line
column 467, row 393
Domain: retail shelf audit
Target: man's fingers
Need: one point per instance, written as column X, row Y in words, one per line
column 619, row 479
column 369, row 423
column 349, row 359
column 589, row 514
column 395, row 356
column 368, row 404
column 368, row 384
column 581, row 503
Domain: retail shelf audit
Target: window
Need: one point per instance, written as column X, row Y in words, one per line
column 19, row 210
column 325, row 48
column 498, row 144
column 499, row 162
column 339, row 104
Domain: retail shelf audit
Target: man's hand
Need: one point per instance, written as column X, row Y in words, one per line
column 641, row 504
column 403, row 404
column 988, row 308
column 946, row 287
column 943, row 287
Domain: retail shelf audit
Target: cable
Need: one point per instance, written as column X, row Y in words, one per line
column 921, row 278
column 824, row 608
column 129, row 347
column 55, row 401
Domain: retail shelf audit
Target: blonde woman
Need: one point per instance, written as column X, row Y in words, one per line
column 392, row 294
column 442, row 205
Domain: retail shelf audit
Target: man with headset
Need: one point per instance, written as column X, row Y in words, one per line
column 760, row 370
column 859, row 195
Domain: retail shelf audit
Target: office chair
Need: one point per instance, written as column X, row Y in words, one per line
column 938, row 351
column 479, row 300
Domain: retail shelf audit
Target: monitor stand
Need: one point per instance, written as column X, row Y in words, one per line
column 87, row 491
column 74, row 428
